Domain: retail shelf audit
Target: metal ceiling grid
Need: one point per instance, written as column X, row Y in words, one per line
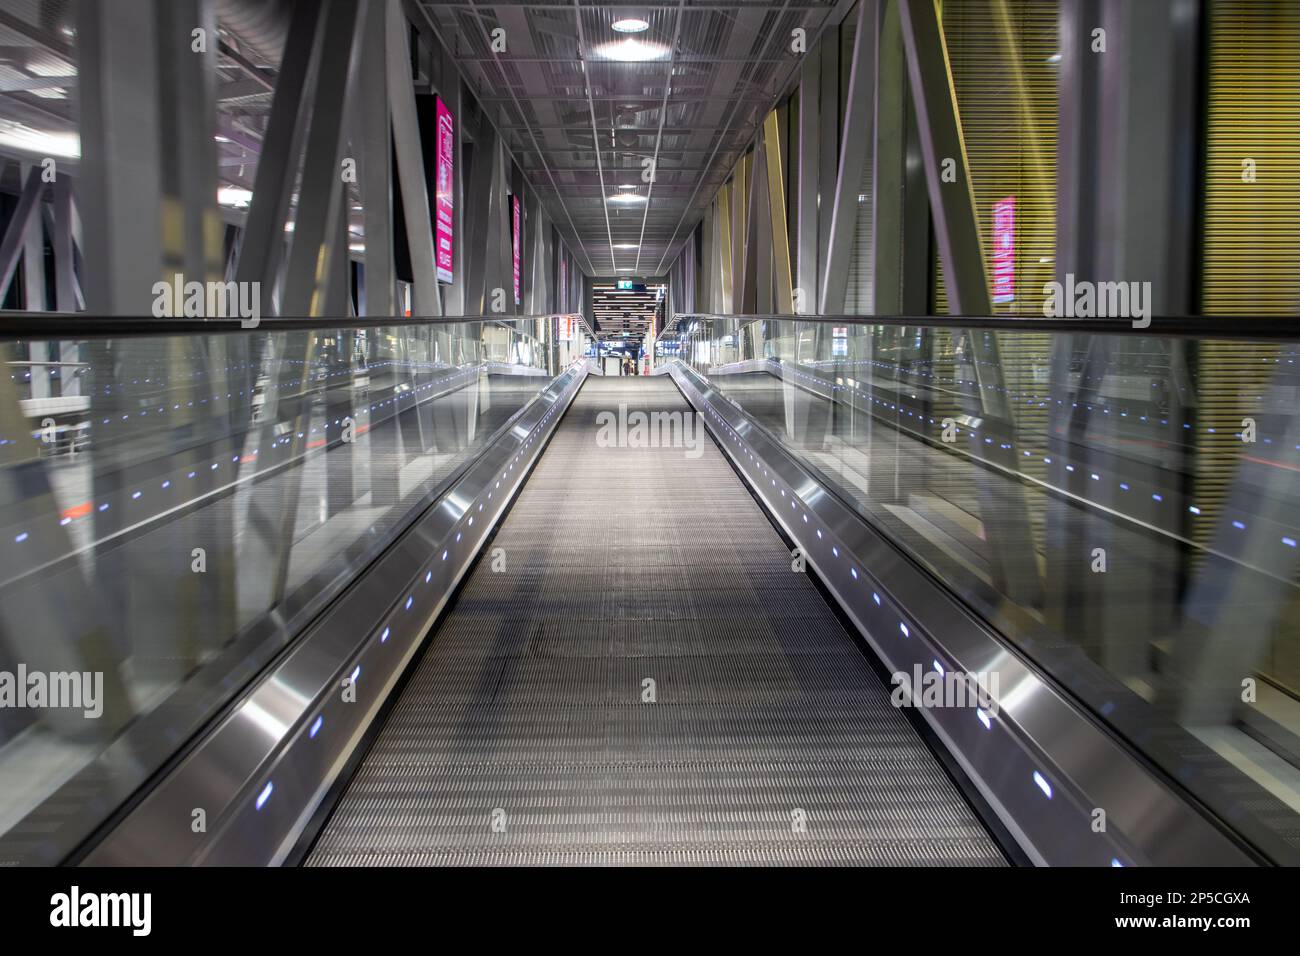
column 707, row 82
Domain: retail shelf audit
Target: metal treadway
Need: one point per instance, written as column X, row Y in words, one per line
column 525, row 736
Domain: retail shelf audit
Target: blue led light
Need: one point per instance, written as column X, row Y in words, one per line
column 875, row 597
column 428, row 576
column 903, row 627
column 984, row 719
column 409, row 602
column 1239, row 526
column 384, row 636
column 265, row 795
column 1043, row 785
column 315, row 726
column 20, row 538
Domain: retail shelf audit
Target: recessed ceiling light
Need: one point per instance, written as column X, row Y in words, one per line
column 30, row 140
column 234, row 196
column 626, row 245
column 629, row 198
column 628, row 186
column 631, row 51
column 630, row 25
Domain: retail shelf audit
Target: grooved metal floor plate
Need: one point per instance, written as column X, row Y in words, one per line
column 524, row 736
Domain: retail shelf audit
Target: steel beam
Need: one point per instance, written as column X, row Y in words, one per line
column 25, row 215
column 952, row 204
column 809, row 152
column 373, row 120
column 192, row 229
column 316, row 252
column 828, row 148
column 857, row 135
column 783, row 290
column 121, row 154
column 726, row 258
column 65, row 279
column 262, row 249
column 478, row 198
column 749, row 272
column 889, row 158
column 34, row 265
column 425, row 296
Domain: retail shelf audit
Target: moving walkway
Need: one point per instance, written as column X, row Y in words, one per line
column 450, row 614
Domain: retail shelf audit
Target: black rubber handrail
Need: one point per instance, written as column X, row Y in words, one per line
column 1246, row 327
column 83, row 325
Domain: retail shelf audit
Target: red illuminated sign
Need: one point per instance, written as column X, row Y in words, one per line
column 1004, row 250
column 444, row 198
column 517, row 230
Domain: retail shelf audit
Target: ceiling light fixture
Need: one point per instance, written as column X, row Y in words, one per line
column 627, row 198
column 631, row 51
column 630, row 25
column 30, row 140
column 234, row 196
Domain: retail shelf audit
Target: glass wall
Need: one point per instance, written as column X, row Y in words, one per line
column 1068, row 531
column 175, row 508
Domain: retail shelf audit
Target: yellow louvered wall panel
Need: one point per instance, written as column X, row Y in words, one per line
column 1252, row 230
column 1251, row 252
column 1251, row 246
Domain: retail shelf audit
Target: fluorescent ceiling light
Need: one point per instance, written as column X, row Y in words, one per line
column 629, row 198
column 630, row 25
column 18, row 136
column 631, row 51
column 234, row 196
column 626, row 245
column 628, row 186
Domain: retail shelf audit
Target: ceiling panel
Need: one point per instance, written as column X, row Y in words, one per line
column 581, row 106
